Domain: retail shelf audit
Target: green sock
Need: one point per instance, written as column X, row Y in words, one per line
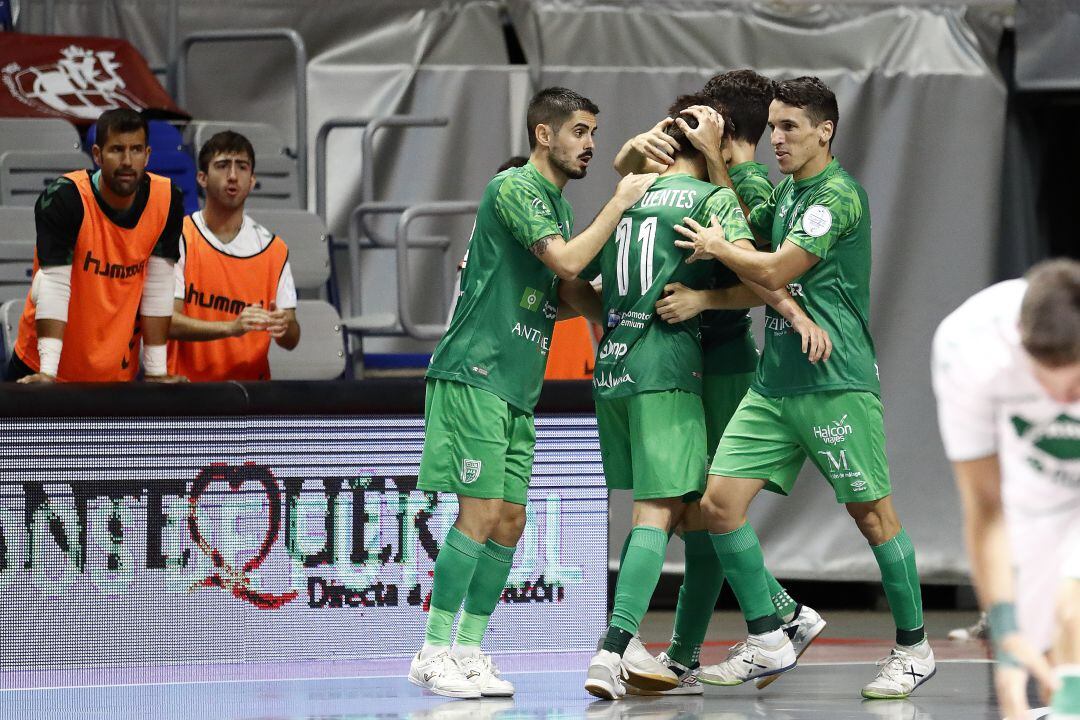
column 454, row 569
column 900, row 577
column 744, row 567
column 622, row 553
column 781, row 600
column 637, row 578
column 1066, row 701
column 697, row 598
column 485, row 590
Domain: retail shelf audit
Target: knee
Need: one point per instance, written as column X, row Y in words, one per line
column 877, row 525
column 512, row 524
column 719, row 516
column 479, row 521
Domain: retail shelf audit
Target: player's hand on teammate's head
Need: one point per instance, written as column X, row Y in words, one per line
column 709, row 132
column 632, row 188
column 816, row 343
column 655, row 144
column 37, row 379
column 702, row 241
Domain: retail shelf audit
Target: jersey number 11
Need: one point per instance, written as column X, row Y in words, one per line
column 646, row 238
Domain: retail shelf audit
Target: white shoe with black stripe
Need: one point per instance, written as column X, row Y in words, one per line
column 749, row 660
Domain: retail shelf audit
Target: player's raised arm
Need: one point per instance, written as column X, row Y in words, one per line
column 568, row 258
column 651, row 151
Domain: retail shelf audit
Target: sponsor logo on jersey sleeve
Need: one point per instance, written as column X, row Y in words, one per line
column 816, row 221
column 531, row 299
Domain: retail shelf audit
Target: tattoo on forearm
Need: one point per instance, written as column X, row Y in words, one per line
column 540, row 246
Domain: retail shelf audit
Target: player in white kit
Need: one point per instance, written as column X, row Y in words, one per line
column 1006, row 368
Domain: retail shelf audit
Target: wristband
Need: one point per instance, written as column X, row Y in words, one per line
column 49, row 355
column 1002, row 619
column 155, row 360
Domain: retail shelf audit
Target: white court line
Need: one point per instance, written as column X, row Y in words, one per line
column 380, row 677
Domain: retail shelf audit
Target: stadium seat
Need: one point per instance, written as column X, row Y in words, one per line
column 168, row 157
column 321, row 352
column 48, row 135
column 17, row 238
column 10, row 312
column 309, row 252
column 277, row 183
column 25, row 174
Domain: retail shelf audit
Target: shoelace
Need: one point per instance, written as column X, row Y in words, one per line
column 891, row 665
column 735, row 651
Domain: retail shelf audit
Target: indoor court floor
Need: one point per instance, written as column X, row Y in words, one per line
column 549, row 687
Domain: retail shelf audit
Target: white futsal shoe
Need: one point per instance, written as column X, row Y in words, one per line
column 606, row 676
column 802, row 630
column 688, row 679
column 645, row 672
column 481, row 670
column 749, row 660
column 905, row 669
column 440, row 673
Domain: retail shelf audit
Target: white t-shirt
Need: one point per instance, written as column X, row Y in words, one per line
column 251, row 240
column 990, row 403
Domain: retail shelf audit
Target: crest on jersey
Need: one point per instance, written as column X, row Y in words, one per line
column 470, row 470
column 816, row 221
column 82, row 82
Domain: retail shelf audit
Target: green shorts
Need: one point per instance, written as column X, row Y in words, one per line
column 475, row 444
column 721, row 395
column 654, row 444
column 842, row 432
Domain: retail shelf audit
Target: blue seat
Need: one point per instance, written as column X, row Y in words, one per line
column 169, row 157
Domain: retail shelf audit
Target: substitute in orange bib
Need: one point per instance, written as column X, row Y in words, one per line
column 234, row 288
column 103, row 266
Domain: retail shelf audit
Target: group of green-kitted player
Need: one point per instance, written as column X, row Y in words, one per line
column 690, row 418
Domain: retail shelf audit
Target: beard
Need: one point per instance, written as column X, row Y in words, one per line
column 569, row 168
column 123, row 187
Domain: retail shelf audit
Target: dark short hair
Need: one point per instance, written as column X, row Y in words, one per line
column 553, row 106
column 226, row 141
column 512, row 162
column 686, row 148
column 746, row 95
column 813, row 96
column 119, row 120
column 1050, row 312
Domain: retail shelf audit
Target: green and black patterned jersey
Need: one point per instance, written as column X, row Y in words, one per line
column 501, row 329
column 640, row 352
column 827, row 215
column 720, row 327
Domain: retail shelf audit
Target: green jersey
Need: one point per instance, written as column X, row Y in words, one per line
column 720, row 327
column 640, row 352
column 501, row 328
column 827, row 215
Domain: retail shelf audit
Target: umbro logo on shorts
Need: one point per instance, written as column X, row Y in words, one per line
column 470, row 470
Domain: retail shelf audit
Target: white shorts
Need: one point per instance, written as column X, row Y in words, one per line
column 1046, row 550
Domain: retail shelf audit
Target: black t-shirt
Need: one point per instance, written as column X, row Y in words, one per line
column 58, row 215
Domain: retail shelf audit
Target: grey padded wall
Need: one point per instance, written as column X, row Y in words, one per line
column 1047, row 50
column 911, row 84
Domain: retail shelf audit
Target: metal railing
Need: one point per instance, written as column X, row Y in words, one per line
column 421, row 331
column 300, row 55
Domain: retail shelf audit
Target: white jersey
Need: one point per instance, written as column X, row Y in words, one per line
column 250, row 240
column 989, row 403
